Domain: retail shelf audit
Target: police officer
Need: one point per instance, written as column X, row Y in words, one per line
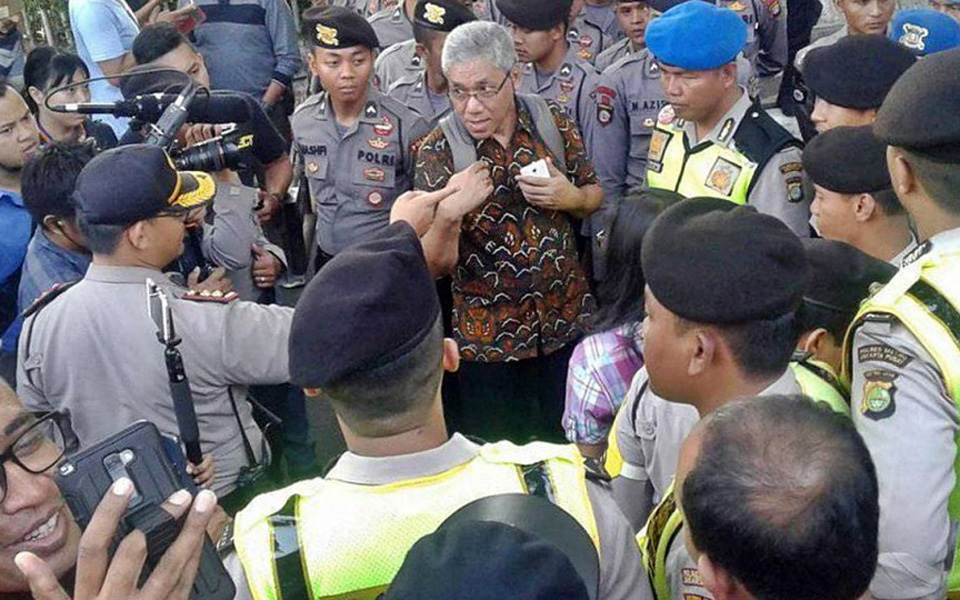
column 703, row 320
column 924, row 31
column 860, row 18
column 600, row 13
column 633, row 17
column 713, row 140
column 587, row 39
column 854, row 201
column 394, row 24
column 840, row 279
column 373, row 347
column 354, row 143
column 850, row 79
column 551, row 67
column 426, row 92
column 903, row 350
column 91, row 349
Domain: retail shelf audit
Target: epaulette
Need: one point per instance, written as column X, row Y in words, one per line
column 310, row 101
column 216, row 296
column 595, row 471
column 47, row 297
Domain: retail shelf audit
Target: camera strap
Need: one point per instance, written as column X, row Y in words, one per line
column 247, row 447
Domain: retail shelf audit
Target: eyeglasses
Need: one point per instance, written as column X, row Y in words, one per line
column 36, row 449
column 485, row 93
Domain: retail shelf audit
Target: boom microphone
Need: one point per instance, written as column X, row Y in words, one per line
column 213, row 108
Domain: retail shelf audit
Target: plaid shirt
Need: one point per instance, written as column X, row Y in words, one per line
column 601, row 369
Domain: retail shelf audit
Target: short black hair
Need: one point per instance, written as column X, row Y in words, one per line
column 940, row 179
column 620, row 292
column 836, row 322
column 49, row 178
column 371, row 401
column 100, row 239
column 889, row 203
column 424, row 35
column 784, row 497
column 46, row 68
column 156, row 41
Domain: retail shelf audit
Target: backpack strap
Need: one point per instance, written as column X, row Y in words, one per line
column 461, row 144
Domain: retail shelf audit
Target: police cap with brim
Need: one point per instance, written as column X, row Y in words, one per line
column 373, row 303
column 711, row 261
column 442, row 15
column 841, row 275
column 847, row 160
column 924, row 31
column 502, row 546
column 535, row 15
column 336, row 28
column 856, row 72
column 696, row 36
column 138, row 182
column 921, row 112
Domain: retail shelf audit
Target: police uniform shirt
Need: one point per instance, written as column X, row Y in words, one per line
column 909, row 422
column 571, row 86
column 587, row 39
column 93, row 351
column 396, row 62
column 828, row 40
column 604, row 18
column 392, row 26
column 766, row 46
column 628, row 100
column 354, row 178
column 777, row 189
column 621, row 574
column 897, row 260
column 412, row 92
column 653, row 431
column 614, row 53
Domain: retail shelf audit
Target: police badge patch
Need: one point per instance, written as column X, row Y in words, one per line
column 913, row 37
column 722, row 176
column 878, row 395
column 658, row 146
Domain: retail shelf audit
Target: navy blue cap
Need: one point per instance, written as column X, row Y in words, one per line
column 841, row 275
column 336, row 28
column 857, row 71
column 137, row 182
column 696, row 36
column 924, row 31
column 535, row 15
column 442, row 15
column 371, row 304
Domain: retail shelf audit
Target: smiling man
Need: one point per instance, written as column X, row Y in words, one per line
column 19, row 139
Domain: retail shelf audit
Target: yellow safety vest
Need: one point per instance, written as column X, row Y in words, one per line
column 925, row 297
column 612, row 459
column 817, row 381
column 707, row 169
column 666, row 521
column 331, row 539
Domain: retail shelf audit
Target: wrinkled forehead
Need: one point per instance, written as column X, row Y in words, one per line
column 475, row 74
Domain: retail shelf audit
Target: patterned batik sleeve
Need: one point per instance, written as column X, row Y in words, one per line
column 579, row 168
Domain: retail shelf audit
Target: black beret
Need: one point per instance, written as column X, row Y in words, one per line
column 847, row 160
column 336, row 27
column 922, row 111
column 503, row 546
column 711, row 261
column 148, row 79
column 857, row 71
column 841, row 275
column 536, row 15
column 442, row 15
column 370, row 305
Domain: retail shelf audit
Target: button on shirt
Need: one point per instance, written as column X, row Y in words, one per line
column 93, row 351
column 16, row 226
column 355, row 175
column 518, row 290
column 46, row 265
column 103, row 30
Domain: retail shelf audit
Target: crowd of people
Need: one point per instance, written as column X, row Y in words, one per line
column 616, row 299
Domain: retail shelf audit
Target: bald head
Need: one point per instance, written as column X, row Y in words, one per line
column 782, row 494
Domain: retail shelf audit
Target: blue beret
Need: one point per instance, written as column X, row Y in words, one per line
column 924, row 31
column 696, row 36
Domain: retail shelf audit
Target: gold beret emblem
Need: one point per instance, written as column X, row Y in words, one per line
column 327, row 35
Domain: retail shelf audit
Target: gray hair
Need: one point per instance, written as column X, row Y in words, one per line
column 479, row 41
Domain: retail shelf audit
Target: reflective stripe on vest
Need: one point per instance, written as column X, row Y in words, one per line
column 331, row 539
column 612, row 459
column 816, row 387
column 707, row 169
column 925, row 298
column 655, row 538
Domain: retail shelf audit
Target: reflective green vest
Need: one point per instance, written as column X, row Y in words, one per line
column 331, row 539
column 714, row 169
column 925, row 297
column 818, row 382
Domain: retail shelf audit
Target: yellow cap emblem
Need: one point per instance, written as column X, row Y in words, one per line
column 433, row 13
column 327, row 35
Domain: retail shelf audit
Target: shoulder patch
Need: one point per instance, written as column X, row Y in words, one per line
column 216, row 296
column 47, row 297
column 883, row 353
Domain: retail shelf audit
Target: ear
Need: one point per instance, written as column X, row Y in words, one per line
column 451, row 356
column 864, row 207
column 36, row 94
column 559, row 32
column 901, row 173
column 715, row 579
column 312, row 61
column 704, row 352
column 311, row 392
column 812, row 342
column 51, row 223
column 420, row 50
column 137, row 235
column 729, row 74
